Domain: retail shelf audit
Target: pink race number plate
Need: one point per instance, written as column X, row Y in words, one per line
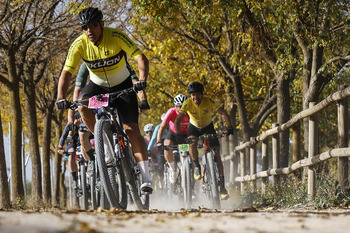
column 98, row 102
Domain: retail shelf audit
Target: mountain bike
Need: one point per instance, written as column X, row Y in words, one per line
column 82, row 192
column 184, row 182
column 117, row 165
column 210, row 178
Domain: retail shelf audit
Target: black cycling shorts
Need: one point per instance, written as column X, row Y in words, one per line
column 127, row 105
column 194, row 131
column 172, row 136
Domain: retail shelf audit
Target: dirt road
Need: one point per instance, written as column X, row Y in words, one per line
column 176, row 221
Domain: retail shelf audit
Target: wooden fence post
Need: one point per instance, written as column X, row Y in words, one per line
column 312, row 151
column 252, row 153
column 242, row 161
column 275, row 154
column 343, row 140
column 265, row 163
column 296, row 142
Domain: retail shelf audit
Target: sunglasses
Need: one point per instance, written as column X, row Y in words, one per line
column 90, row 25
column 149, row 132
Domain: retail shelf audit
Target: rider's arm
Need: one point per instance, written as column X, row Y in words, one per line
column 80, row 80
column 143, row 65
column 64, row 136
column 63, row 84
column 163, row 126
column 70, row 116
column 141, row 94
column 222, row 111
column 153, row 138
column 178, row 121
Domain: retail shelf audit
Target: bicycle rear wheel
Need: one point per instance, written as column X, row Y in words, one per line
column 92, row 182
column 84, row 192
column 213, row 182
column 111, row 174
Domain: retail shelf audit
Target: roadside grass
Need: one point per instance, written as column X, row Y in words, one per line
column 292, row 192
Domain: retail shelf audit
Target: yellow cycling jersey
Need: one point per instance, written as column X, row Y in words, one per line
column 107, row 62
column 200, row 115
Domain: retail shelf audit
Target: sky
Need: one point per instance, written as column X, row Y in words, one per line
column 8, row 160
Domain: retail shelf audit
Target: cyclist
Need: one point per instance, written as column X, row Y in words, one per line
column 149, row 129
column 153, row 140
column 71, row 135
column 160, row 157
column 84, row 134
column 171, row 139
column 104, row 51
column 199, row 109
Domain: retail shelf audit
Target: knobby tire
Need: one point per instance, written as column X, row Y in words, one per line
column 104, row 137
column 213, row 182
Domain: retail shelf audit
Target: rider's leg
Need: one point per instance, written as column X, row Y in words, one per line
column 88, row 117
column 223, row 191
column 219, row 161
column 72, row 165
column 139, row 148
column 86, row 148
column 193, row 150
column 194, row 155
column 168, row 154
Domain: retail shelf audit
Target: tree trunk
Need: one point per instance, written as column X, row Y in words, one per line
column 16, row 139
column 283, row 115
column 29, row 90
column 46, row 155
column 4, row 186
column 57, row 176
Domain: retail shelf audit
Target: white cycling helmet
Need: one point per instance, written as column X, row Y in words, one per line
column 148, row 127
column 179, row 99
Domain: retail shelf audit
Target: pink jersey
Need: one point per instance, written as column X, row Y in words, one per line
column 170, row 117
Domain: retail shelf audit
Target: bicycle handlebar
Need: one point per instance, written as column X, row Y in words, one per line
column 114, row 95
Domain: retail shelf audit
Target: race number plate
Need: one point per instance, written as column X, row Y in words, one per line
column 184, row 147
column 95, row 102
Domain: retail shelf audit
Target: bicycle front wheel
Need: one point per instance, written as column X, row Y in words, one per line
column 109, row 175
column 213, row 182
column 187, row 186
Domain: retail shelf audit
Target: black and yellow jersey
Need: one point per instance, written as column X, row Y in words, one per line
column 107, row 62
column 200, row 115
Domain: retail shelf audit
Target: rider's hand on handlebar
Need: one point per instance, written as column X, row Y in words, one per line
column 62, row 104
column 160, row 147
column 179, row 139
column 144, row 105
column 230, row 130
column 140, row 85
column 72, row 127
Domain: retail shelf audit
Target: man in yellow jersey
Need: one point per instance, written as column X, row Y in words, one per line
column 104, row 51
column 199, row 108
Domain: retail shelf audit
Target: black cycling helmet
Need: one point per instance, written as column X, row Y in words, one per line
column 89, row 15
column 195, row 87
